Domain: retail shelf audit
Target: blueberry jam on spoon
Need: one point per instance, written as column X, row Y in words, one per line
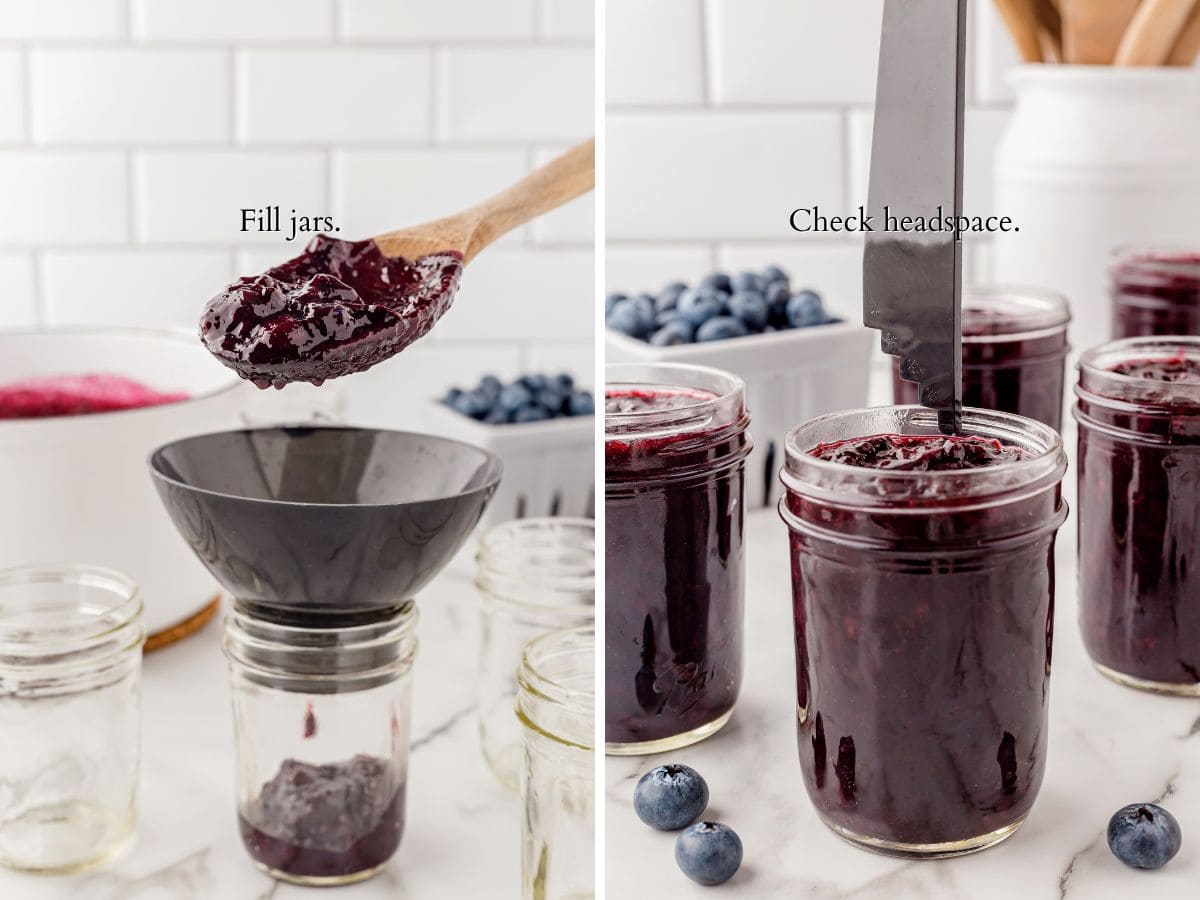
column 338, row 308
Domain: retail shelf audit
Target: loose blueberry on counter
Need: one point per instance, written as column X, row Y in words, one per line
column 751, row 308
column 805, row 309
column 670, row 797
column 709, row 853
column 720, row 328
column 1144, row 836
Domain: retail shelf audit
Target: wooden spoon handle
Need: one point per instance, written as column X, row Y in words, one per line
column 1092, row 31
column 1021, row 18
column 560, row 180
column 1153, row 32
column 1188, row 45
column 1049, row 29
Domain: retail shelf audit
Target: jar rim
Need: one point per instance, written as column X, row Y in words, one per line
column 728, row 390
column 108, row 623
column 1098, row 379
column 847, row 485
column 1027, row 311
column 1146, row 265
column 578, row 703
column 508, row 564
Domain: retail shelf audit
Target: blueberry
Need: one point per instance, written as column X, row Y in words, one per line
column 666, row 317
column 530, row 413
column 490, row 385
column 514, row 397
column 718, row 280
column 805, row 309
column 708, row 852
column 631, row 318
column 549, row 398
column 1144, row 836
column 580, row 403
column 610, row 301
column 565, row 382
column 668, row 297
column 747, row 281
column 473, row 404
column 751, row 308
column 720, row 328
column 774, row 274
column 670, row 797
column 497, row 415
column 535, row 382
column 696, row 307
column 451, row 395
column 673, row 333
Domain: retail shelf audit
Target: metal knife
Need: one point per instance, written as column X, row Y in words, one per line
column 912, row 282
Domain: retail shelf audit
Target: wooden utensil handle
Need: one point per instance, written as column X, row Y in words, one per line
column 1153, row 32
column 1188, row 45
column 560, row 180
column 1021, row 18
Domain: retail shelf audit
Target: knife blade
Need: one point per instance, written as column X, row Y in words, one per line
column 912, row 281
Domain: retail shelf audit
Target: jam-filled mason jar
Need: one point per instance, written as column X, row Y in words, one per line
column 675, row 447
column 923, row 598
column 1138, row 409
column 321, row 720
column 1155, row 291
column 1014, row 349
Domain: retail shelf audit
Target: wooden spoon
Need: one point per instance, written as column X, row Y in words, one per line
column 1049, row 27
column 1188, row 45
column 343, row 306
column 1021, row 18
column 468, row 232
column 1092, row 31
column 1152, row 34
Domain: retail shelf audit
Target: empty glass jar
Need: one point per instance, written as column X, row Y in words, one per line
column 321, row 719
column 556, row 702
column 535, row 575
column 70, row 715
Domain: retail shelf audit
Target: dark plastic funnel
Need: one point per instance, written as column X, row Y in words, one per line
column 304, row 522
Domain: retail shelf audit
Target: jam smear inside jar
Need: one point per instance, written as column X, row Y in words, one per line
column 1155, row 291
column 675, row 449
column 1138, row 408
column 923, row 597
column 1014, row 353
column 77, row 395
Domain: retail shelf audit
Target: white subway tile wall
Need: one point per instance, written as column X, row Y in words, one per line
column 132, row 132
column 725, row 115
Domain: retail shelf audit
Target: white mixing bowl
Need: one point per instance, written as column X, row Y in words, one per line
column 77, row 488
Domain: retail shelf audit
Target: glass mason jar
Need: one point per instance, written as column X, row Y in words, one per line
column 1155, row 291
column 70, row 715
column 923, row 605
column 675, row 447
column 1014, row 353
column 534, row 576
column 556, row 702
column 1138, row 409
column 321, row 721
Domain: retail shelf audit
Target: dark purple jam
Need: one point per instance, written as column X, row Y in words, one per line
column 1023, row 374
column 326, row 821
column 338, row 308
column 77, row 395
column 1139, row 521
column 918, row 453
column 674, row 572
column 1156, row 292
column 923, row 643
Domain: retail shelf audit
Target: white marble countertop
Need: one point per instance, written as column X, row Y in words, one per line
column 1109, row 746
column 462, row 834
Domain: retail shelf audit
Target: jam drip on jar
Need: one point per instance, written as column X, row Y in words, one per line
column 895, row 452
column 338, row 308
column 326, row 821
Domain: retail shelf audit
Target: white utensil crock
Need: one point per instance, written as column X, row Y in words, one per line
column 1095, row 157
